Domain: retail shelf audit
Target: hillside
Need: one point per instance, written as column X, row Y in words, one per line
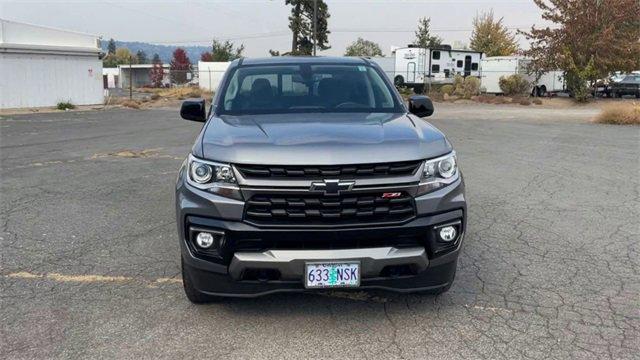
column 165, row 51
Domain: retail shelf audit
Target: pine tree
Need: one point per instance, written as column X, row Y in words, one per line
column 180, row 66
column 492, row 37
column 111, row 47
column 142, row 57
column 156, row 59
column 301, row 25
column 424, row 39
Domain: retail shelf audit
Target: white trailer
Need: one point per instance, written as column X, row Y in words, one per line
column 415, row 67
column 387, row 64
column 495, row 67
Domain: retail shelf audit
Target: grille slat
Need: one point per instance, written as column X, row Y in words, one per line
column 405, row 168
column 318, row 209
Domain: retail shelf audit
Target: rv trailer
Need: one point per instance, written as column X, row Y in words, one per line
column 416, row 67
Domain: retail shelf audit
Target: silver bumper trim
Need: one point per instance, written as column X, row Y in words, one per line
column 290, row 263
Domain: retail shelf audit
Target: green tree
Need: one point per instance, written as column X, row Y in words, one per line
column 156, row 59
column 362, row 47
column 424, row 39
column 142, row 57
column 301, row 25
column 224, row 51
column 111, row 47
column 124, row 56
column 590, row 39
column 491, row 37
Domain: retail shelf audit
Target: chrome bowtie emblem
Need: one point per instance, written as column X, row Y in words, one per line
column 332, row 187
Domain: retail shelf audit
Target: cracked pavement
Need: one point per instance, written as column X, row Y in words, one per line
column 550, row 267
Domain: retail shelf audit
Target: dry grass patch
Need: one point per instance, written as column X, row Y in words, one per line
column 133, row 104
column 620, row 114
column 179, row 93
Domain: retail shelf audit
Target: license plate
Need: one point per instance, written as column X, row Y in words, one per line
column 329, row 275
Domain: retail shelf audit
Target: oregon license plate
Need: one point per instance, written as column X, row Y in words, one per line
column 330, row 274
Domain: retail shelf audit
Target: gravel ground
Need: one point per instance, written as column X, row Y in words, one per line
column 550, row 266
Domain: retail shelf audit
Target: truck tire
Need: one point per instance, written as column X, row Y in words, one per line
column 542, row 91
column 398, row 80
column 418, row 89
column 194, row 295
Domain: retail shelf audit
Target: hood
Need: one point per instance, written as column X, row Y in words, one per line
column 320, row 139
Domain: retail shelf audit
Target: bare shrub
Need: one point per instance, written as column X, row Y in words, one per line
column 514, row 85
column 620, row 114
column 447, row 89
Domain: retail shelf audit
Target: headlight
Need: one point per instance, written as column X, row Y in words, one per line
column 439, row 172
column 213, row 177
column 203, row 172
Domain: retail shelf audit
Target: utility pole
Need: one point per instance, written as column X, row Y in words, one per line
column 315, row 25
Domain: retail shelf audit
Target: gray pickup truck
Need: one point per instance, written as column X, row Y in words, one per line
column 311, row 173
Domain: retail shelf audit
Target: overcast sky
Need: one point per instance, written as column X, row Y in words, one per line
column 262, row 24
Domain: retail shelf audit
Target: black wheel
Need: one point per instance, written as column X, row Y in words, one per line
column 398, row 80
column 193, row 295
column 534, row 91
column 542, row 91
column 418, row 89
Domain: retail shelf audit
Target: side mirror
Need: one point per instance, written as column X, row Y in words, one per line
column 420, row 105
column 194, row 110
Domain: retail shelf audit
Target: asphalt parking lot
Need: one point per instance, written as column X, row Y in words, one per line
column 550, row 266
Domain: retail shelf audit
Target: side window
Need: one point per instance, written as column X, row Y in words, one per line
column 474, row 66
column 247, row 82
column 290, row 87
column 435, row 68
column 232, row 92
column 460, row 63
column 435, row 55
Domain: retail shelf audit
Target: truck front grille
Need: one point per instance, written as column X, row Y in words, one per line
column 318, row 209
column 322, row 172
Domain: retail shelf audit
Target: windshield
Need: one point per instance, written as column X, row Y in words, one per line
column 276, row 89
column 632, row 78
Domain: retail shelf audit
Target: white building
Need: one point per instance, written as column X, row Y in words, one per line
column 210, row 74
column 110, row 77
column 140, row 74
column 40, row 66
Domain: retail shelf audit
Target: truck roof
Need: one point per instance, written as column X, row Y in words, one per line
column 275, row 60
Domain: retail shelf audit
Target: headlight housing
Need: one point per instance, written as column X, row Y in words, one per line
column 211, row 176
column 438, row 173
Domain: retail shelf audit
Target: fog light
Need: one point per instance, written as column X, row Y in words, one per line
column 448, row 233
column 204, row 240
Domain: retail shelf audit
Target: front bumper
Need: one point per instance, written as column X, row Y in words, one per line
column 424, row 264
